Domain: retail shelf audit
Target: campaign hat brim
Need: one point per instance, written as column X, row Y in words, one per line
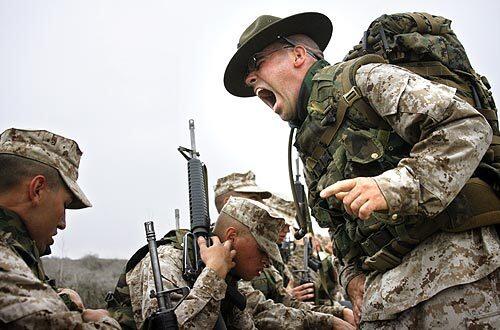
column 315, row 25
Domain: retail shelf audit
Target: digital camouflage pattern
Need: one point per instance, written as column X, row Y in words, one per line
column 118, row 302
column 469, row 306
column 442, row 140
column 264, row 223
column 27, row 301
column 54, row 150
column 270, row 283
column 239, row 182
column 426, row 45
column 270, row 315
column 285, row 208
column 201, row 307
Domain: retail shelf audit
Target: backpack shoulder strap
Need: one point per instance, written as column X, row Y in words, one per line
column 173, row 237
column 351, row 97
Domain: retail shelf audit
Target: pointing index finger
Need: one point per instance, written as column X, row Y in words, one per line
column 340, row 186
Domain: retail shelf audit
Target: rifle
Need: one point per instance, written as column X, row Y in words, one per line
column 164, row 317
column 177, row 217
column 303, row 208
column 308, row 261
column 286, row 247
column 200, row 223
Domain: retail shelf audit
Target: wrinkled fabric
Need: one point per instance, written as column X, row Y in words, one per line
column 270, row 315
column 270, row 283
column 469, row 306
column 54, row 150
column 26, row 302
column 443, row 261
column 201, row 307
column 264, row 223
column 239, row 182
column 428, row 116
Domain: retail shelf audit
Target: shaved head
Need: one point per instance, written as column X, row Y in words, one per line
column 225, row 222
column 307, row 42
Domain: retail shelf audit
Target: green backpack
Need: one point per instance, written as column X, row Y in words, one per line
column 425, row 44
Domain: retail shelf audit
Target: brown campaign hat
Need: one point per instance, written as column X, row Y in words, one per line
column 265, row 30
column 51, row 149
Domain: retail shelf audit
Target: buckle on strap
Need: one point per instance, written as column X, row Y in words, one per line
column 352, row 95
column 381, row 261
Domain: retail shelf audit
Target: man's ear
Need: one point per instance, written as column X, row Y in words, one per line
column 299, row 53
column 37, row 187
column 230, row 234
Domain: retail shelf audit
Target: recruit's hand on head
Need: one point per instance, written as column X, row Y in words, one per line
column 361, row 196
column 218, row 257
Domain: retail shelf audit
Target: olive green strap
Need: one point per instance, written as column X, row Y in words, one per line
column 351, row 97
column 435, row 27
column 421, row 26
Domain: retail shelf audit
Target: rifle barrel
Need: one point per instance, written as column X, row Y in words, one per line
column 193, row 141
column 164, row 302
column 177, row 218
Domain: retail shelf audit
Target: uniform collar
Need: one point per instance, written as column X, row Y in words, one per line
column 14, row 230
column 305, row 92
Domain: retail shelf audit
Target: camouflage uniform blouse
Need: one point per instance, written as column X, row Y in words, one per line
column 426, row 115
column 201, row 307
column 26, row 301
column 278, row 293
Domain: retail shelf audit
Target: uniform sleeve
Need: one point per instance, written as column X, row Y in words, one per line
column 270, row 315
column 449, row 138
column 201, row 307
column 28, row 303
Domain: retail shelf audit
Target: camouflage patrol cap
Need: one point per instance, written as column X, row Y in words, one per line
column 283, row 207
column 51, row 149
column 239, row 182
column 264, row 224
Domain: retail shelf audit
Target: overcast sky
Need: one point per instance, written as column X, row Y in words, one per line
column 123, row 78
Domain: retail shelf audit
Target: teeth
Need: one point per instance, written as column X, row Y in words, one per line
column 258, row 90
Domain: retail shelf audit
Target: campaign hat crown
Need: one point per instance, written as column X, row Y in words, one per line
column 265, row 30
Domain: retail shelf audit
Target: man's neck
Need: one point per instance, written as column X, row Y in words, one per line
column 305, row 92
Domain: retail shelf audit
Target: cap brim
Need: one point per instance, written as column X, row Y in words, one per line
column 315, row 25
column 254, row 189
column 289, row 220
column 80, row 201
column 271, row 248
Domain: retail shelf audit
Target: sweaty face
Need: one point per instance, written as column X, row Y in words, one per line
column 48, row 216
column 275, row 83
column 249, row 259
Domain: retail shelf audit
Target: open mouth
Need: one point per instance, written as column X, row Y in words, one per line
column 266, row 96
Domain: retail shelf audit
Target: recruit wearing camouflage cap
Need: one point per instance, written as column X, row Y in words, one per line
column 51, row 149
column 239, row 182
column 283, row 207
column 264, row 224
